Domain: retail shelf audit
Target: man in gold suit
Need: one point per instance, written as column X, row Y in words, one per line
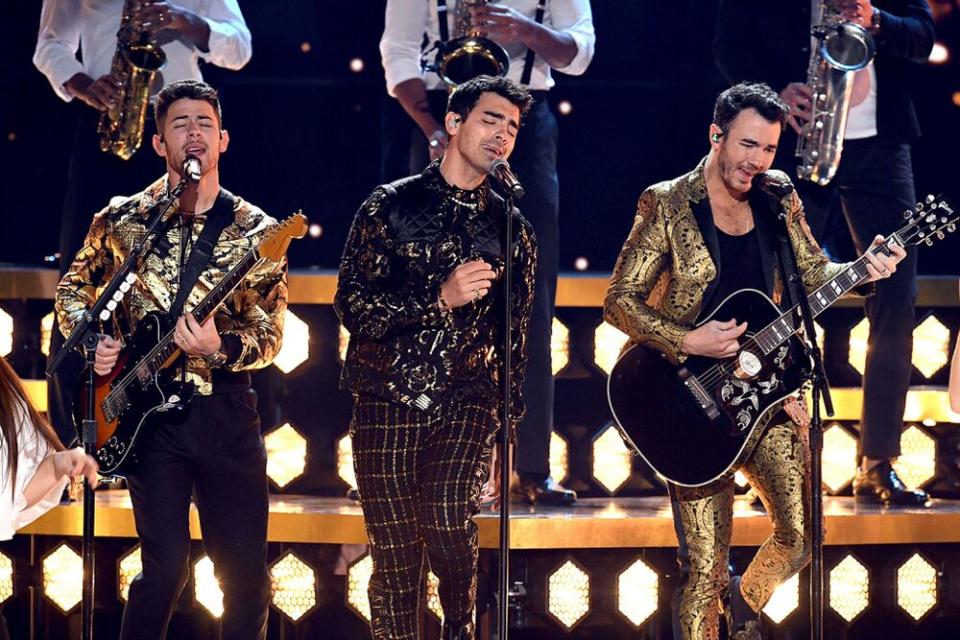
column 696, row 240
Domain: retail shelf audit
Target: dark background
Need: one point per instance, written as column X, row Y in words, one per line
column 306, row 130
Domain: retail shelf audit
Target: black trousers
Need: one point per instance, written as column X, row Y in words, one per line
column 872, row 188
column 217, row 456
column 534, row 160
column 419, row 477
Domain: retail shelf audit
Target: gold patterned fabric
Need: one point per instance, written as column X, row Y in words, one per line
column 251, row 318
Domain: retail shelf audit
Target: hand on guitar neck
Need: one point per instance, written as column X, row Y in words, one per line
column 882, row 265
column 196, row 339
column 714, row 339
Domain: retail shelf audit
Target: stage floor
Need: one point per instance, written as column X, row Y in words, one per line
column 591, row 523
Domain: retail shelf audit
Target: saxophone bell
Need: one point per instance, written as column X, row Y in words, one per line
column 471, row 54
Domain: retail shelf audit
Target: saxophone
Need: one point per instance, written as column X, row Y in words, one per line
column 471, row 54
column 842, row 49
column 135, row 63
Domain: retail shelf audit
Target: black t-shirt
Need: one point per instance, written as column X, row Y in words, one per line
column 740, row 267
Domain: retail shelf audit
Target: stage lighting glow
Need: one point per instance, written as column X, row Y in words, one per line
column 286, row 454
column 565, row 107
column 849, row 588
column 315, row 230
column 294, row 586
column 612, row 462
column 345, row 461
column 608, row 341
column 296, row 343
column 956, row 98
column 129, row 566
column 581, row 264
column 6, row 333
column 857, row 356
column 785, row 599
column 358, row 580
column 559, row 461
column 559, row 346
column 433, row 596
column 46, row 330
column 206, row 588
column 6, row 577
column 917, row 591
column 917, row 463
column 63, row 577
column 740, row 479
column 839, row 458
column 568, row 594
column 356, row 65
column 343, row 343
column 939, row 54
column 931, row 346
column 638, row 590
column 305, row 47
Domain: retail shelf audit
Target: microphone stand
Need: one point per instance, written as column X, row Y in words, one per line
column 821, row 388
column 85, row 338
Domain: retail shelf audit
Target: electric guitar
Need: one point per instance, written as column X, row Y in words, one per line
column 698, row 422
column 141, row 389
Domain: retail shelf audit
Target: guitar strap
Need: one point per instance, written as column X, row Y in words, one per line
column 220, row 216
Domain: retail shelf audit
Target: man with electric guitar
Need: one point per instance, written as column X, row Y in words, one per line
column 175, row 410
column 692, row 289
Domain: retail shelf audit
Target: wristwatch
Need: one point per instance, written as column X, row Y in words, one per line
column 875, row 22
column 216, row 359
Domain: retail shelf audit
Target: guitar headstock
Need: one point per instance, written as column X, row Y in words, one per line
column 274, row 247
column 929, row 220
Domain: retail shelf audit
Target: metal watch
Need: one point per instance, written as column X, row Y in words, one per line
column 216, row 359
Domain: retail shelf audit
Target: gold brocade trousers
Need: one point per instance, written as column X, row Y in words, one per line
column 703, row 517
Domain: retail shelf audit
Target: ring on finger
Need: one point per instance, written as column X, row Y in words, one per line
column 476, row 294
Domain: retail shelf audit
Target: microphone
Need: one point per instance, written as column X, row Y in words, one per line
column 191, row 169
column 500, row 170
column 774, row 186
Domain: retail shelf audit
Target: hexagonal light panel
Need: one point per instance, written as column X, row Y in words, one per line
column 294, row 586
column 296, row 343
column 931, row 346
column 568, row 594
column 849, row 588
column 612, row 461
column 608, row 341
column 286, row 454
column 358, row 580
column 917, row 463
column 343, row 342
column 433, row 596
column 345, row 461
column 206, row 587
column 559, row 461
column 785, row 599
column 857, row 356
column 6, row 577
column 63, row 577
column 46, row 331
column 128, row 567
column 559, row 346
column 917, row 588
column 740, row 479
column 839, row 458
column 6, row 333
column 638, row 592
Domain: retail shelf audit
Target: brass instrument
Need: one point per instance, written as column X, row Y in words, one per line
column 135, row 64
column 843, row 48
column 470, row 54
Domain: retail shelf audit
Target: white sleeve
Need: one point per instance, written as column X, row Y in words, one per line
column 230, row 44
column 404, row 24
column 575, row 18
column 57, row 43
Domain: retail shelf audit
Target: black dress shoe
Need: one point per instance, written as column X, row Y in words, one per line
column 546, row 491
column 743, row 623
column 457, row 631
column 881, row 484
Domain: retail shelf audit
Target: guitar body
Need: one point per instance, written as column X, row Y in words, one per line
column 126, row 414
column 699, row 422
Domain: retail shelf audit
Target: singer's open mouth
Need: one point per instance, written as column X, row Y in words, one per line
column 494, row 150
column 195, row 149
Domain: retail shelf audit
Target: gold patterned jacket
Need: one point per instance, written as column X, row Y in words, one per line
column 667, row 265
column 250, row 320
column 405, row 241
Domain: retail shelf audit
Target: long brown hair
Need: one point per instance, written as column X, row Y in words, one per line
column 13, row 399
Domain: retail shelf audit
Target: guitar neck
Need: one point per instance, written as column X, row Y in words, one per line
column 780, row 330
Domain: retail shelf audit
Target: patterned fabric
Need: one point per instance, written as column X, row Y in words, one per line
column 405, row 241
column 419, row 476
column 779, row 471
column 664, row 268
column 251, row 318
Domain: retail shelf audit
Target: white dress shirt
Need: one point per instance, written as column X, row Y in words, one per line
column 32, row 450
column 407, row 21
column 862, row 118
column 91, row 26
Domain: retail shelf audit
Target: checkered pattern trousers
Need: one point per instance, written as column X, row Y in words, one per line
column 419, row 476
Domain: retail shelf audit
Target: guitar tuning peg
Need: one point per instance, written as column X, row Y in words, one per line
column 918, row 206
column 907, row 214
column 940, row 235
column 951, row 228
column 929, row 242
column 118, row 296
column 131, row 278
column 124, row 286
column 930, row 198
column 104, row 315
column 112, row 305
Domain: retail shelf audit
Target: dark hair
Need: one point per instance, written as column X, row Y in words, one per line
column 749, row 95
column 466, row 95
column 191, row 89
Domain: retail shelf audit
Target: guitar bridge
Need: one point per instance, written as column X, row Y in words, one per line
column 704, row 400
